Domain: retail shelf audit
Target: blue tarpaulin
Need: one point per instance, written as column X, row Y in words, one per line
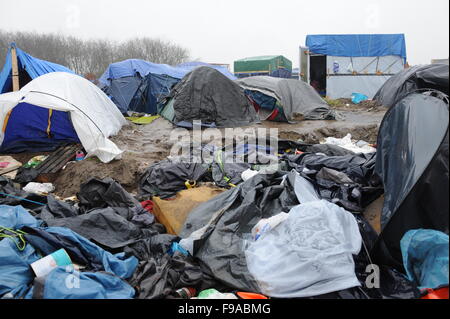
column 425, row 257
column 33, row 66
column 17, row 277
column 132, row 67
column 358, row 45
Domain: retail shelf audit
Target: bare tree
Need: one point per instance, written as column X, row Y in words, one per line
column 91, row 56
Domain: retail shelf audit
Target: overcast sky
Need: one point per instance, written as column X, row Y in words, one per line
column 221, row 31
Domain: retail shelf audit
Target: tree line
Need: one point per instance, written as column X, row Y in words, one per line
column 91, row 57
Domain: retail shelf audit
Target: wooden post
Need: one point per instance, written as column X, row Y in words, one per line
column 15, row 69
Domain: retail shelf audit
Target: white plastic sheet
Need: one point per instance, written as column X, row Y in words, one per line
column 347, row 143
column 308, row 254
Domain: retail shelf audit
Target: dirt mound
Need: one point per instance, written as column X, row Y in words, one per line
column 366, row 133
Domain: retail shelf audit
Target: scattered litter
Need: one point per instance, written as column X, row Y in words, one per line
column 265, row 225
column 44, row 266
column 79, row 156
column 247, row 174
column 35, row 161
column 186, row 293
column 214, row 294
column 347, row 143
column 358, row 98
column 9, row 166
column 39, row 188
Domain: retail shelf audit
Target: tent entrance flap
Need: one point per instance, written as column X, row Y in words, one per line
column 30, row 126
column 318, row 73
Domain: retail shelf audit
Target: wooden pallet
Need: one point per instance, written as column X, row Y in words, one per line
column 49, row 168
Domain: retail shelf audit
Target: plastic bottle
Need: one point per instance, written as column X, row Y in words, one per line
column 186, row 293
column 79, row 156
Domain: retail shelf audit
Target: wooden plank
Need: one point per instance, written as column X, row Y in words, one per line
column 67, row 157
column 49, row 168
column 15, row 69
column 58, row 159
column 51, row 159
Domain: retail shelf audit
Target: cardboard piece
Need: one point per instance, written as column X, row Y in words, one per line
column 9, row 166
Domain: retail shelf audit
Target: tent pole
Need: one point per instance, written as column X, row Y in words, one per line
column 14, row 71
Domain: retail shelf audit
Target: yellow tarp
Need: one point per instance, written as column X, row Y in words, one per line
column 173, row 213
column 142, row 119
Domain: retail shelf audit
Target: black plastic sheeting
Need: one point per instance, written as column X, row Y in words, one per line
column 222, row 225
column 412, row 161
column 107, row 215
column 166, row 178
column 206, row 94
column 329, row 150
column 101, row 193
column 234, row 214
column 433, row 76
column 12, row 196
column 347, row 181
column 111, row 218
column 160, row 275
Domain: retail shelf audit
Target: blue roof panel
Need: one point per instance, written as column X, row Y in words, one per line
column 357, row 45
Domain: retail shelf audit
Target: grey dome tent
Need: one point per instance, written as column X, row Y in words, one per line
column 433, row 76
column 207, row 95
column 412, row 162
column 286, row 99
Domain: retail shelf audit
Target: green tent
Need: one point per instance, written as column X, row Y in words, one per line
column 273, row 65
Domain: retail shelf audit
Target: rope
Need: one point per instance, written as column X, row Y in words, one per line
column 21, row 198
column 20, row 244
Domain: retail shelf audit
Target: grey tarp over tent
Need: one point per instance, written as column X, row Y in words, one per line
column 433, row 76
column 296, row 97
column 206, row 94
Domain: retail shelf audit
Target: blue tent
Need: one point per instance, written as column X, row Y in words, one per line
column 138, row 85
column 358, row 45
column 133, row 67
column 29, row 69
